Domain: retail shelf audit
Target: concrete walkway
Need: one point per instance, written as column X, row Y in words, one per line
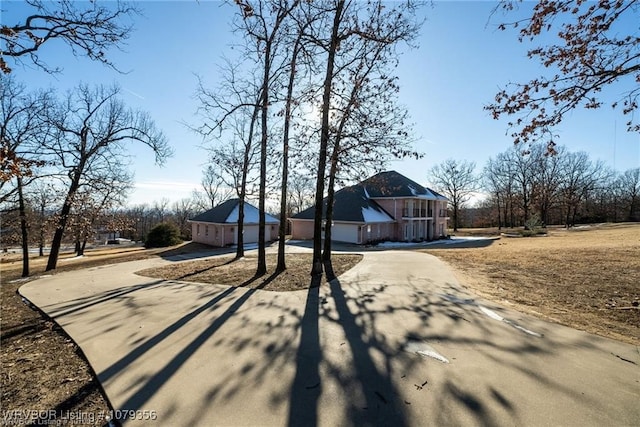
column 395, row 341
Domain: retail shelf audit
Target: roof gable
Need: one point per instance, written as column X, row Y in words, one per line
column 227, row 213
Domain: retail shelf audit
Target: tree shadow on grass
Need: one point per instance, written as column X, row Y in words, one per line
column 203, row 270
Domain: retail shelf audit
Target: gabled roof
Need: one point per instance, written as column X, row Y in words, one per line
column 353, row 205
column 392, row 184
column 227, row 213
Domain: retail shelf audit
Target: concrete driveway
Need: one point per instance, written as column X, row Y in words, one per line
column 395, row 341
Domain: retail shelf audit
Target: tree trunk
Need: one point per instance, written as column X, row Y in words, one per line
column 282, row 231
column 24, row 228
column 498, row 203
column 316, row 268
column 243, row 184
column 525, row 204
column 326, row 255
column 455, row 217
column 262, row 259
column 62, row 222
column 41, row 239
column 56, row 243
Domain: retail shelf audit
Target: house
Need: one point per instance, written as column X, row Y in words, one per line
column 387, row 206
column 219, row 226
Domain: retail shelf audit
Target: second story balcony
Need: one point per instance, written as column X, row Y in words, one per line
column 417, row 213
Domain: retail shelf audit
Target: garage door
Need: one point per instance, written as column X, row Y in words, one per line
column 251, row 234
column 344, row 233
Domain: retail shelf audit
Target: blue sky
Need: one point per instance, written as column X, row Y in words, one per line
column 462, row 62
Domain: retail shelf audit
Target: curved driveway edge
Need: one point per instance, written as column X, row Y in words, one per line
column 394, row 341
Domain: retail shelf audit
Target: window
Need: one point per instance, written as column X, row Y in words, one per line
column 198, row 229
column 206, row 230
column 405, row 209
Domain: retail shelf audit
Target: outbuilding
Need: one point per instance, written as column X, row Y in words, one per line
column 219, row 226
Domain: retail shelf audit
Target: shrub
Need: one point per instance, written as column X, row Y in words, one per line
column 163, row 235
column 534, row 223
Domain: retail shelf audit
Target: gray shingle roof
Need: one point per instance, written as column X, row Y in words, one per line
column 227, row 213
column 353, row 205
column 393, row 184
column 219, row 214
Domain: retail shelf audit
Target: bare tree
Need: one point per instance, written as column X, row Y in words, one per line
column 332, row 48
column 43, row 197
column 22, row 130
column 230, row 113
column 213, row 185
column 139, row 218
column 161, row 208
column 183, row 210
column 629, row 184
column 547, row 177
column 457, row 181
column 360, row 121
column 263, row 27
column 300, row 190
column 301, row 62
column 580, row 176
column 498, row 181
column 87, row 28
column 106, row 190
column 93, row 127
column 369, row 126
column 594, row 49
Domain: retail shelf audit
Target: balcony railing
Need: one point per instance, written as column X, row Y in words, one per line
column 416, row 213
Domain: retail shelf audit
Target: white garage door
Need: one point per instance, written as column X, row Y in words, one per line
column 344, row 233
column 251, row 234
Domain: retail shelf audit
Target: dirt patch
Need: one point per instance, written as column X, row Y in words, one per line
column 42, row 369
column 585, row 278
column 227, row 271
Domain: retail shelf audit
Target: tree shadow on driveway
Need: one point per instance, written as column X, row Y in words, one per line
column 338, row 354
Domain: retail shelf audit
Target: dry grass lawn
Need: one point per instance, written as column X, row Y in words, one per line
column 226, row 271
column 587, row 278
